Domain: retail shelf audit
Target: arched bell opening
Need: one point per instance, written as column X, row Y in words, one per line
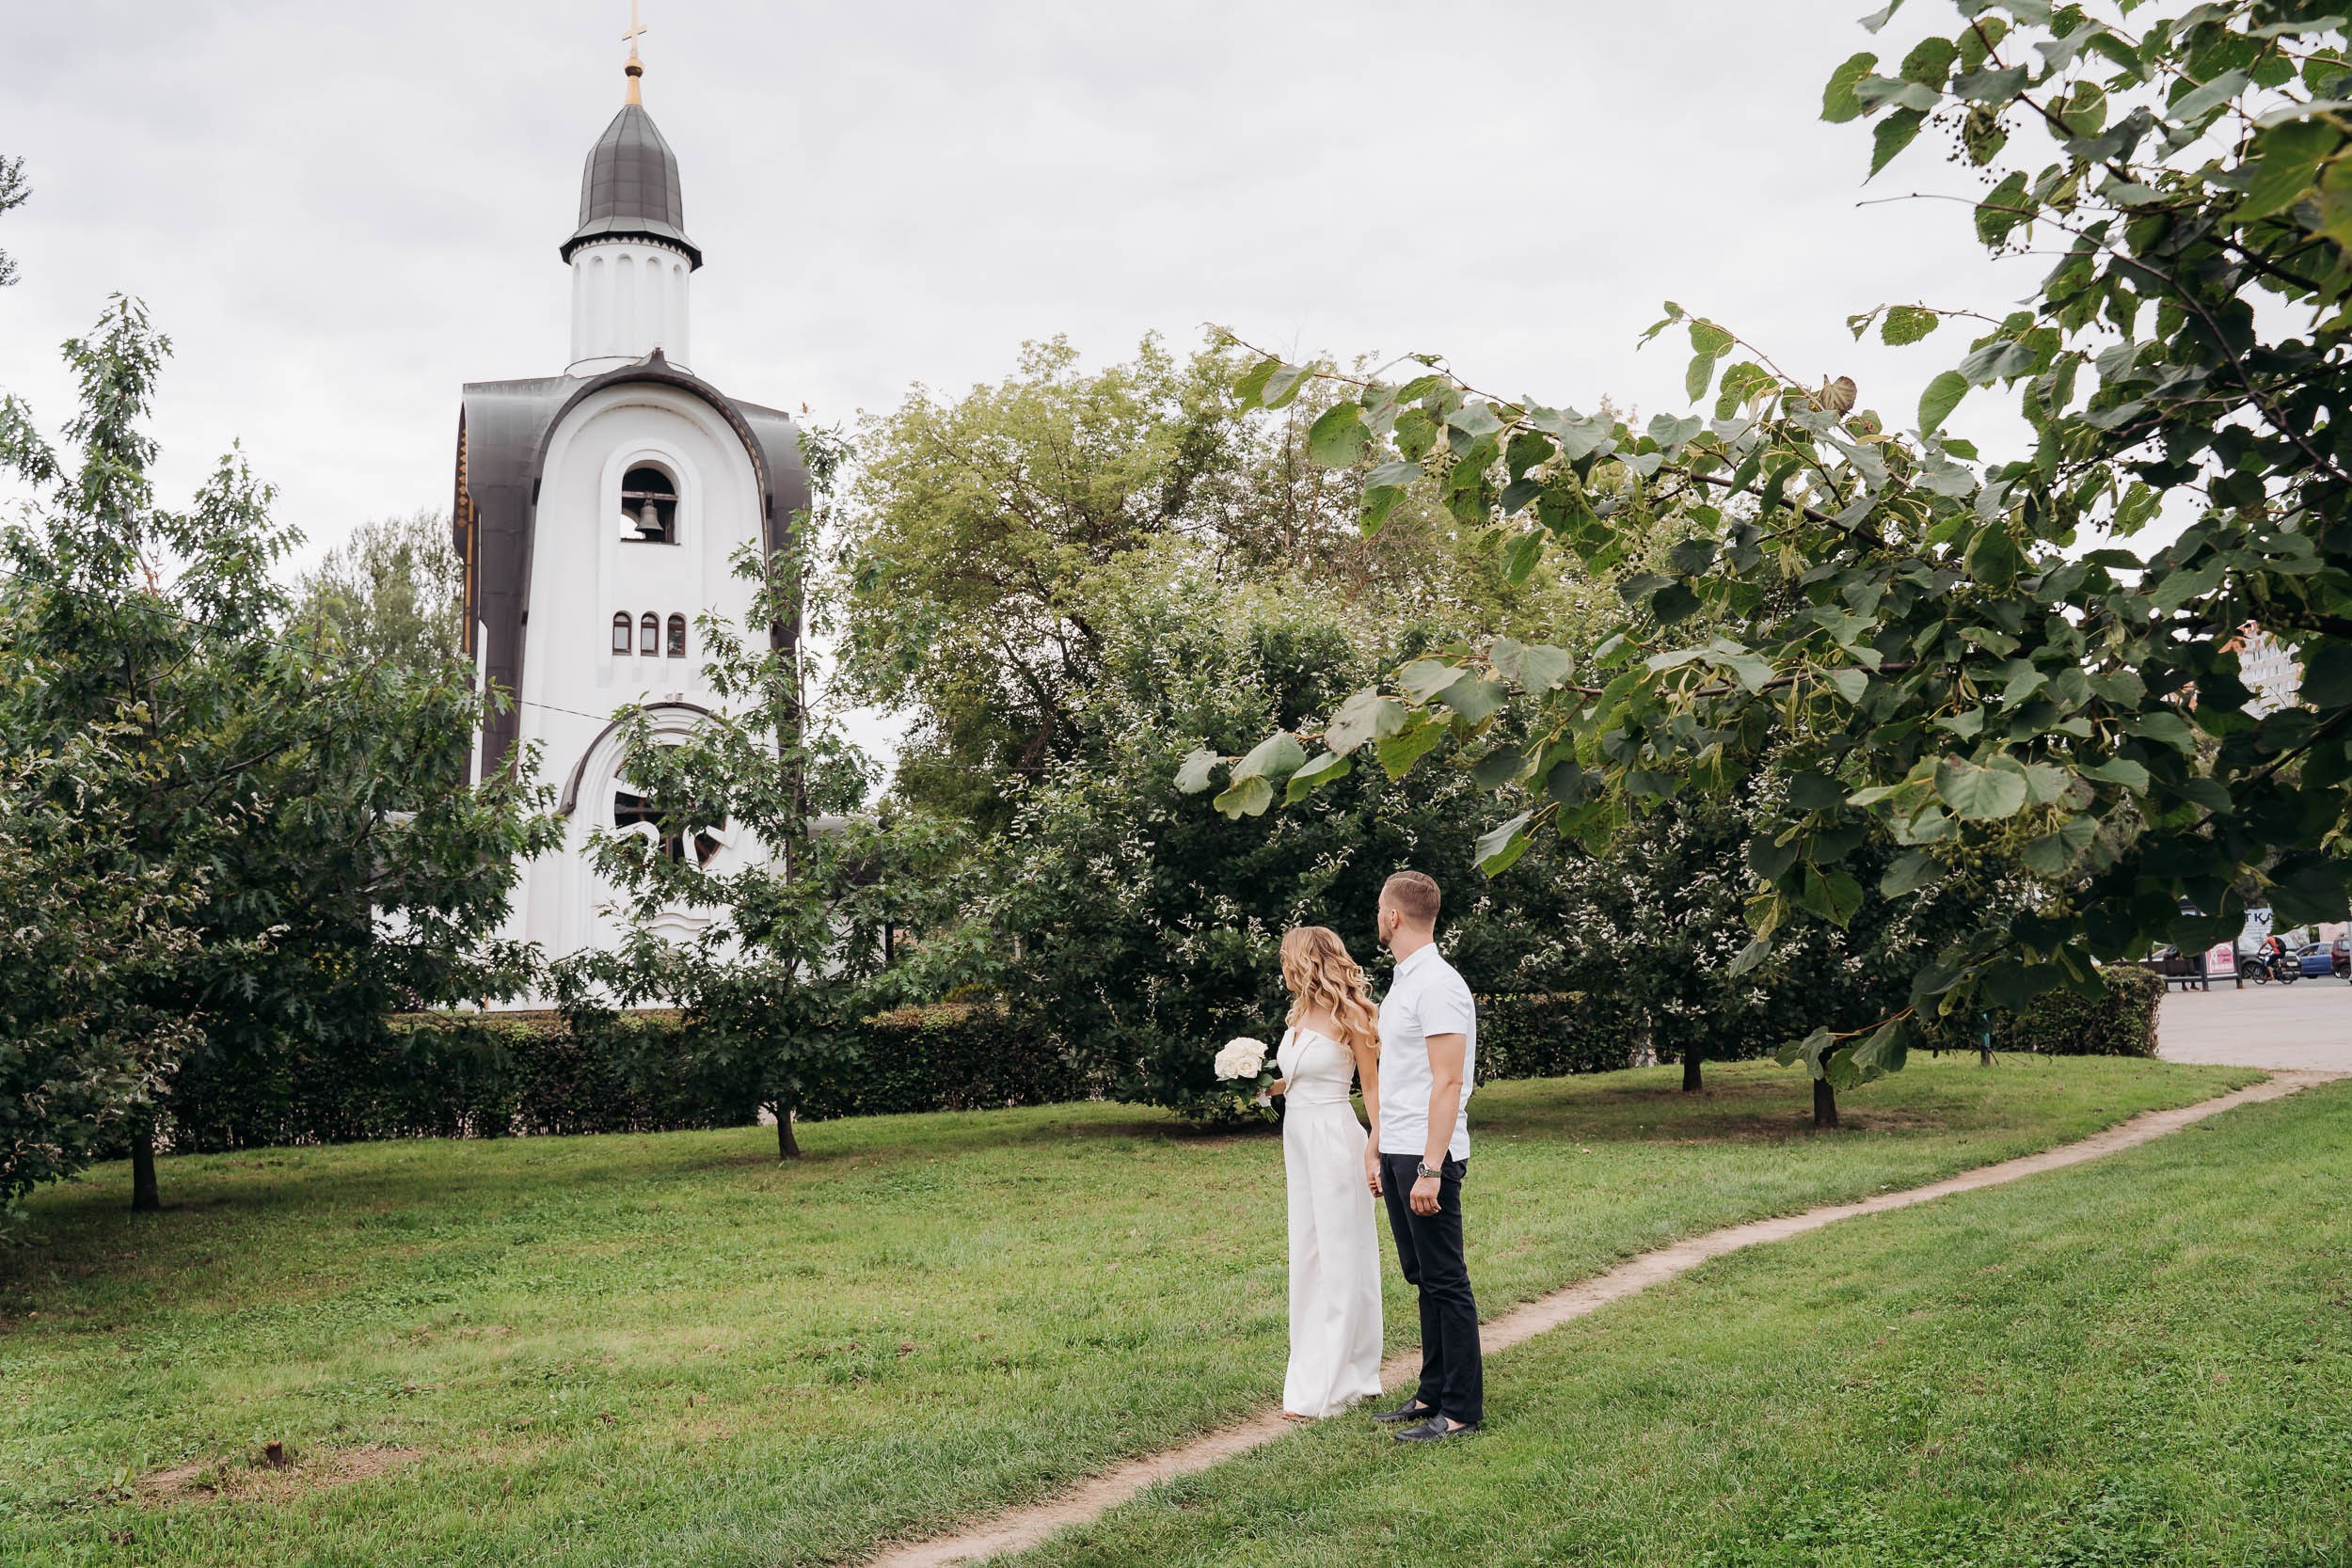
column 648, row 506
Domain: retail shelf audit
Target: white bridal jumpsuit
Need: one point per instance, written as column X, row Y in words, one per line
column 1335, row 1250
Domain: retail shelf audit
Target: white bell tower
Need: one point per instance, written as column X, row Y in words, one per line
column 599, row 513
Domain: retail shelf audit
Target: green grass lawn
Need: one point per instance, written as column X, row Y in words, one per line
column 2143, row 1360
column 670, row 1350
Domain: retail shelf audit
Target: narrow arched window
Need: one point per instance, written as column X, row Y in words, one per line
column 650, row 634
column 678, row 637
column 648, row 507
column 620, row 631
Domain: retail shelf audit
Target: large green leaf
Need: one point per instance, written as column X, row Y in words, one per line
column 1937, row 402
column 2286, row 165
column 1894, row 133
column 1752, row 671
column 1929, row 62
column 1499, row 767
column 1408, row 746
column 1908, row 873
column 1711, row 340
column 1534, row 666
column 1336, row 440
column 1672, row 603
column 1366, row 716
column 1476, row 418
column 1193, row 774
column 1522, row 556
column 1502, row 845
column 2004, row 207
column 1246, row 798
column 1838, row 102
column 1908, row 324
column 2168, row 728
column 2119, row 770
column 2328, row 673
column 1700, row 376
column 2193, row 108
column 1881, row 1050
column 1834, row 895
column 2178, row 588
column 1278, row 756
column 1475, row 700
column 1322, row 770
column 1282, row 388
column 1980, row 794
column 1813, row 791
column 1424, row 678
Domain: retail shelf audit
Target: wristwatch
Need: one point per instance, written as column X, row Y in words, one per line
column 1421, row 1167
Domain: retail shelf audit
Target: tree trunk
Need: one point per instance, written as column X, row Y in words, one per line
column 1824, row 1103
column 787, row 1146
column 791, row 709
column 144, row 1197
column 1691, row 1069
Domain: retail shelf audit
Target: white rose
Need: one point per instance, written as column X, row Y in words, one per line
column 1242, row 1057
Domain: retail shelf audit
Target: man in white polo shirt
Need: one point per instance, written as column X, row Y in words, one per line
column 1428, row 1060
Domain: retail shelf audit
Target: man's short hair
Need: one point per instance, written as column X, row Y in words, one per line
column 1414, row 896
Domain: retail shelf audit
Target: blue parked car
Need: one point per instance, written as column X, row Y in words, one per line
column 2326, row 958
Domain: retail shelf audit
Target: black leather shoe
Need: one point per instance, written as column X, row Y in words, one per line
column 1412, row 1410
column 1434, row 1429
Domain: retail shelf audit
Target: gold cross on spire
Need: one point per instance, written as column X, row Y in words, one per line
column 635, row 69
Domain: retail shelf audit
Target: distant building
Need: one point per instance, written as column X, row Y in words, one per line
column 2268, row 670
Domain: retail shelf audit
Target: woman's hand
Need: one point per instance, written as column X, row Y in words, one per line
column 1371, row 1167
column 1280, row 1086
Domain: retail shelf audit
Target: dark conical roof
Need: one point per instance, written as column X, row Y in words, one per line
column 629, row 190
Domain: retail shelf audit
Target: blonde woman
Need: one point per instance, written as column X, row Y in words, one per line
column 1334, row 1036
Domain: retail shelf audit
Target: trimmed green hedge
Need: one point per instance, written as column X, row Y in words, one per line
column 481, row 1075
column 952, row 1057
column 487, row 1075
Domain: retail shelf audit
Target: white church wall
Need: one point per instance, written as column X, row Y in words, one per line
column 583, row 574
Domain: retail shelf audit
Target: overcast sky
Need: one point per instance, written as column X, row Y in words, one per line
column 343, row 212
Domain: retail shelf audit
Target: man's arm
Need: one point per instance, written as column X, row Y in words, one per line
column 1445, row 1102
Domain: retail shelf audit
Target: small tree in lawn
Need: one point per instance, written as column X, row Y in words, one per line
column 85, row 936
column 796, row 953
column 1954, row 682
column 301, row 823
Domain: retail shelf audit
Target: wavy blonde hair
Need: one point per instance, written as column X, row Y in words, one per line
column 1323, row 977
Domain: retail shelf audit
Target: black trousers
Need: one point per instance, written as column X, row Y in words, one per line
column 1430, row 1250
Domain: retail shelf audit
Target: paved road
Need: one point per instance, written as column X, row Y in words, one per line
column 2308, row 1024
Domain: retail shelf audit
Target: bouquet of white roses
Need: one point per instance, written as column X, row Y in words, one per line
column 1249, row 1065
